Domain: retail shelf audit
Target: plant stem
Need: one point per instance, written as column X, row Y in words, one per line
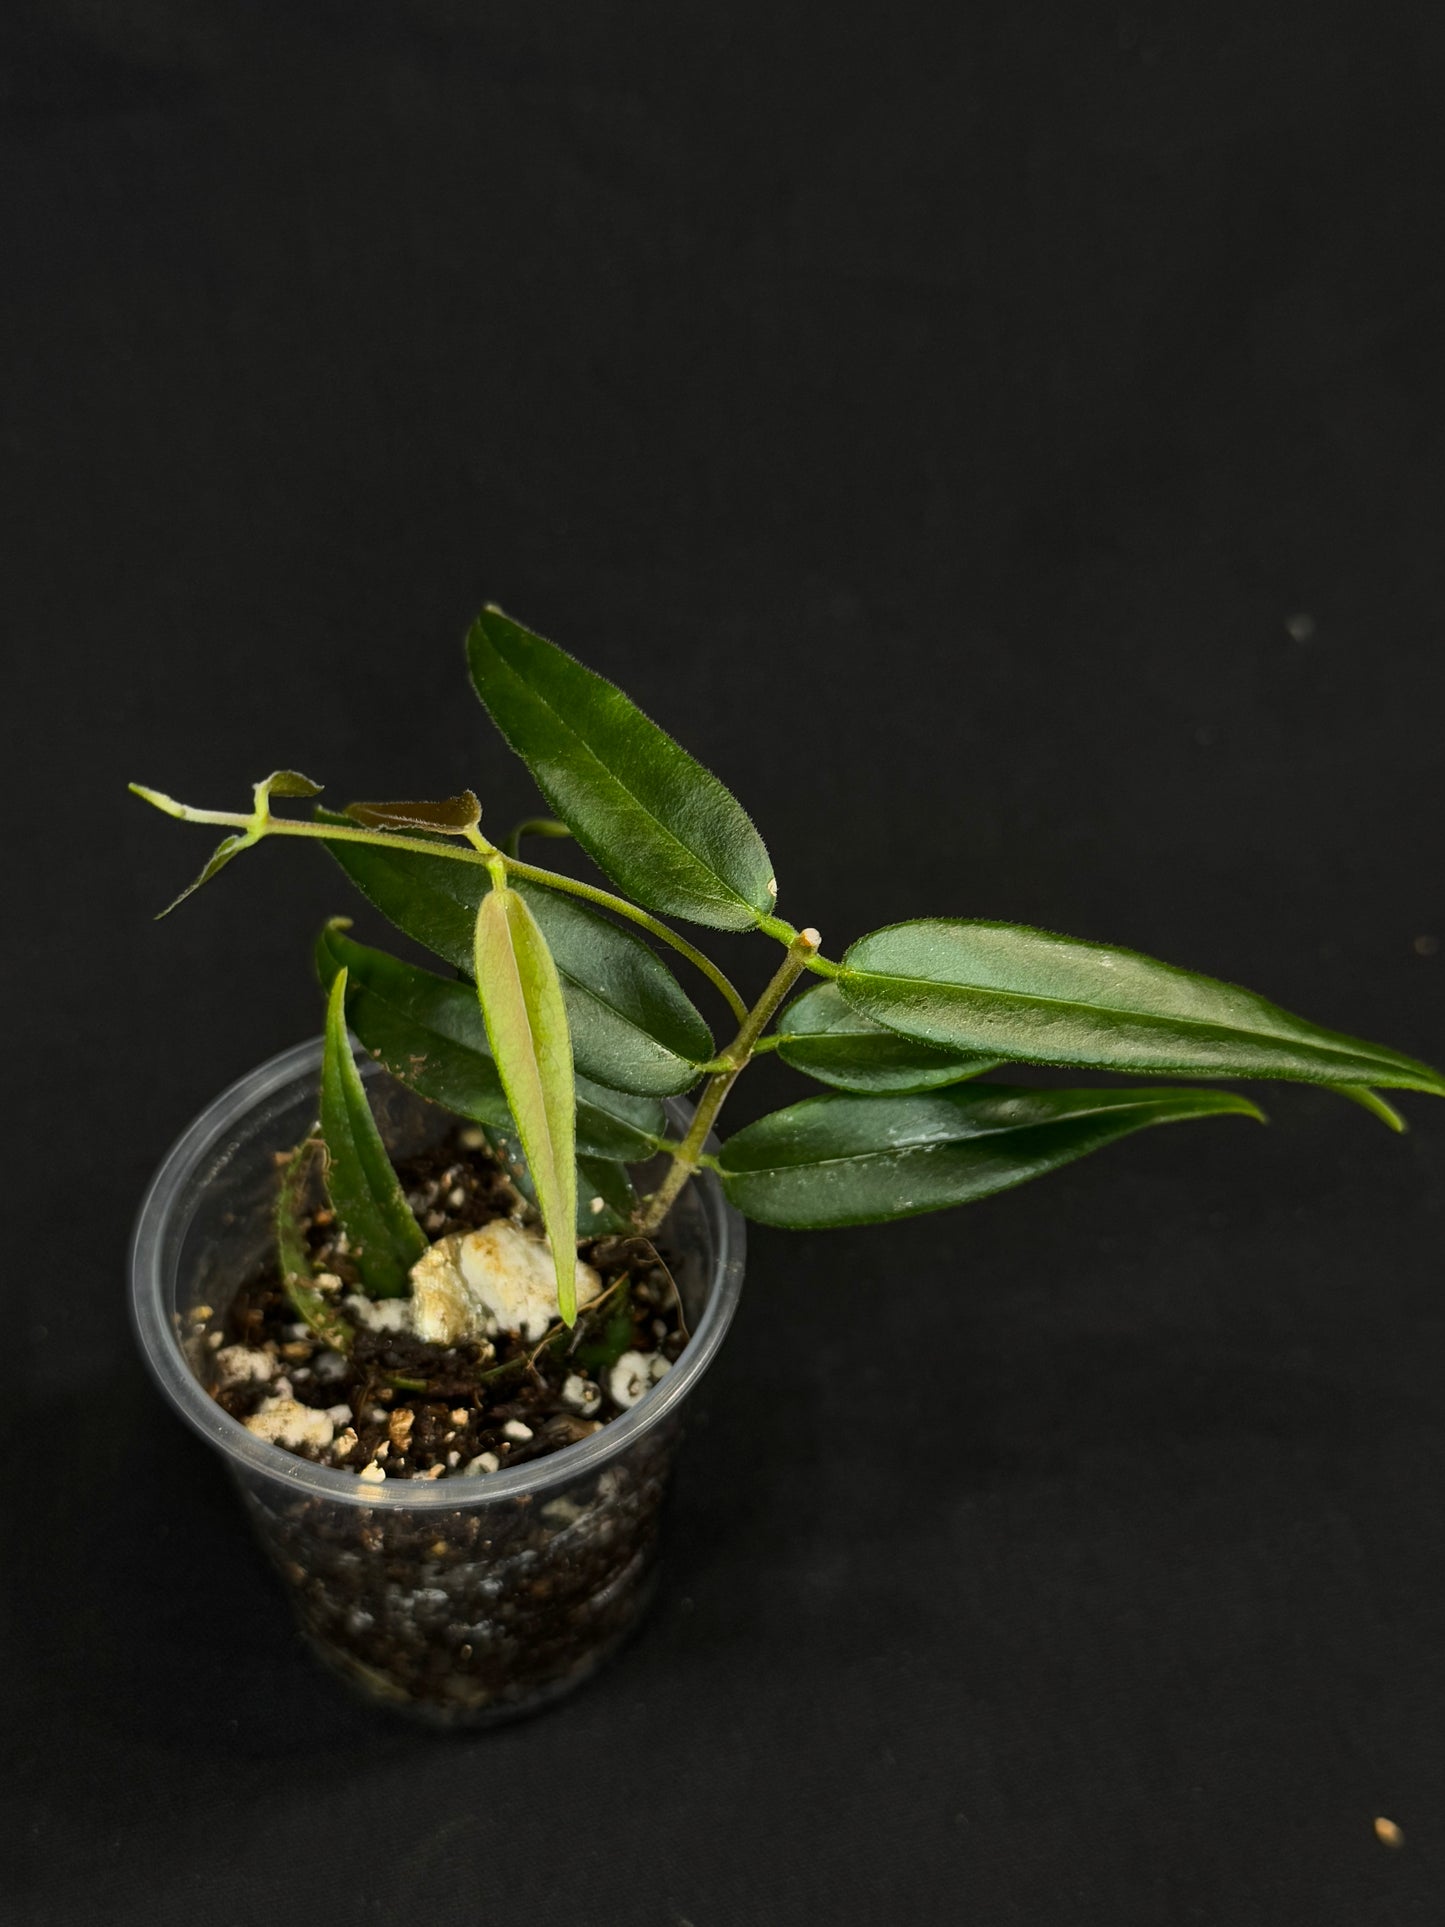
column 688, row 1155
column 387, row 839
column 553, row 880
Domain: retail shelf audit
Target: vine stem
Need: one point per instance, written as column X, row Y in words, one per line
column 260, row 824
column 687, row 1157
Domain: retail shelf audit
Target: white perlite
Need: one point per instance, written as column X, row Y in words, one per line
column 581, row 1394
column 483, row 1462
column 240, row 1365
column 497, row 1279
column 379, row 1314
column 282, row 1421
column 634, row 1374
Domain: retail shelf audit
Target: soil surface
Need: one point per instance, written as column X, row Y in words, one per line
column 410, row 1410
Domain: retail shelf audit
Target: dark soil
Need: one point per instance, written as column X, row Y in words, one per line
column 473, row 1612
column 426, row 1411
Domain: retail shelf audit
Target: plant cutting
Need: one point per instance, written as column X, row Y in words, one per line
column 440, row 1301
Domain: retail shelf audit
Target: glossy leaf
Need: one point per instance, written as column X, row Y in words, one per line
column 428, row 1032
column 451, row 816
column 822, row 1035
column 384, row 1238
column 521, row 999
column 605, row 1195
column 1015, row 993
column 660, row 825
column 839, row 1160
column 632, row 1025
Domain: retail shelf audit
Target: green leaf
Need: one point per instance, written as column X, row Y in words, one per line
column 600, row 1182
column 521, row 999
column 1009, row 992
column 839, row 1160
column 282, row 782
column 383, row 1236
column 632, row 1025
column 824, row 1036
column 451, row 816
column 228, row 847
column 428, row 1032
column 660, row 825
column 1372, row 1102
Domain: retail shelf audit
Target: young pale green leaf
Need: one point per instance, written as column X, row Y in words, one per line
column 632, row 1025
column 1016, row 993
column 429, row 1034
column 526, row 1019
column 384, row 1238
column 839, row 1160
column 824, row 1036
column 660, row 825
column 450, row 816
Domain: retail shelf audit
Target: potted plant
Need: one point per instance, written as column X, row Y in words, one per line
column 441, row 1304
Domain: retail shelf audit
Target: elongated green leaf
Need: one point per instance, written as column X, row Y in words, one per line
column 824, row 1036
column 450, row 816
column 632, row 1026
column 1372, row 1102
column 429, row 1033
column 384, row 1238
column 228, row 847
column 646, row 812
column 521, row 999
column 860, row 1160
column 1015, row 993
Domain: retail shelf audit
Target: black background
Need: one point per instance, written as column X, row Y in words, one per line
column 940, row 421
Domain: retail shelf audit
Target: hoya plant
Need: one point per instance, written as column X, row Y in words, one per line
column 557, row 1024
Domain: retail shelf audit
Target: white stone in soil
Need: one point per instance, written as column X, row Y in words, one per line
column 483, row 1462
column 379, row 1314
column 581, row 1393
column 282, row 1421
column 241, row 1365
column 634, row 1374
column 514, row 1429
column 497, row 1279
column 373, row 1473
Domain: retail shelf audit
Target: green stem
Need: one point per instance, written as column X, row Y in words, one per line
column 553, row 880
column 688, row 1156
column 483, row 853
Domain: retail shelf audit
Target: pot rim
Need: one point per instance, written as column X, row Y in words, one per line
column 160, row 1347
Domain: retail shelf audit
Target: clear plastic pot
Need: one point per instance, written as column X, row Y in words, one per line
column 463, row 1601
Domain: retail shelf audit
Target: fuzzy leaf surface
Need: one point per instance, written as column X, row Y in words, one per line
column 1011, row 992
column 521, row 999
column 648, row 814
column 428, row 1032
column 385, row 1239
column 839, row 1159
column 632, row 1025
column 823, row 1036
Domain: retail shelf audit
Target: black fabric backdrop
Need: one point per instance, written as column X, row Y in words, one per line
column 1008, row 447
